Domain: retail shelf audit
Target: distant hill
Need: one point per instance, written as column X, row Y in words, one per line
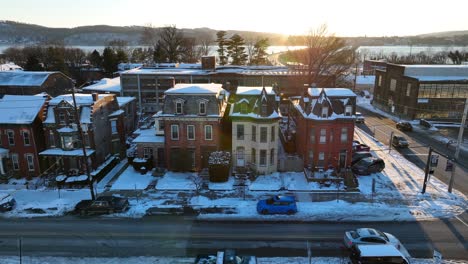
column 98, row 35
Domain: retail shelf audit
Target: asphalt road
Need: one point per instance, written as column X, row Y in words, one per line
column 179, row 236
column 381, row 127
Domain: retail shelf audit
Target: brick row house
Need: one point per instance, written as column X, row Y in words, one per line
column 191, row 121
column 255, row 127
column 324, row 120
column 32, row 83
column 102, row 123
column 21, row 135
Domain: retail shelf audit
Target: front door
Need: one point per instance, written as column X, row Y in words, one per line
column 240, row 157
column 342, row 160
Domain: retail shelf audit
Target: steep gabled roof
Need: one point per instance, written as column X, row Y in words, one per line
column 20, row 109
column 23, row 78
column 251, row 101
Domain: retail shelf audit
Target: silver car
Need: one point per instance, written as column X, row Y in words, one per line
column 369, row 236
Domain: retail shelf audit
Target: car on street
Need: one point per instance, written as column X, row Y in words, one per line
column 369, row 236
column 277, row 205
column 7, row 203
column 367, row 166
column 357, row 156
column 382, row 254
column 404, row 126
column 358, row 146
column 103, row 205
column 359, row 118
column 399, row 142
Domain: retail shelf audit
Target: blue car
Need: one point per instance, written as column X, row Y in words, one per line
column 277, row 205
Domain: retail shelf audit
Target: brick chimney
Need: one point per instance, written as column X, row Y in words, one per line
column 95, row 96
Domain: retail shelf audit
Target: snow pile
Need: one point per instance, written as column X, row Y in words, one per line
column 222, row 186
column 271, row 182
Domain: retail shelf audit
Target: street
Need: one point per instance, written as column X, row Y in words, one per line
column 381, row 127
column 179, row 236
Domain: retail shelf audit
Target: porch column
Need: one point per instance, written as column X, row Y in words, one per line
column 2, row 171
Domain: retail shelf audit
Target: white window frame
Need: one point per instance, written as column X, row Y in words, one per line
column 348, row 110
column 147, row 152
column 408, row 89
column 175, row 129
column 64, row 142
column 379, row 82
column 321, row 156
column 200, row 108
column 208, row 131
column 177, row 103
column 265, row 139
column 15, row 161
column 52, row 139
column 263, row 158
column 26, row 132
column 11, row 137
column 344, row 135
column 30, row 161
column 393, row 84
column 114, row 129
column 323, row 136
column 188, row 132
column 240, row 136
column 324, row 111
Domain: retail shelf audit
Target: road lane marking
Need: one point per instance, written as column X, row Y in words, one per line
column 461, row 221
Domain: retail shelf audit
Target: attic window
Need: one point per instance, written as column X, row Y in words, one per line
column 264, row 109
column 348, row 110
column 324, row 112
column 179, row 107
column 202, row 108
column 243, row 108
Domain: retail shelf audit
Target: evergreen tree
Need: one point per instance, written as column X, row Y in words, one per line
column 121, row 56
column 95, row 59
column 32, row 64
column 158, row 54
column 222, row 47
column 236, row 50
column 259, row 52
column 109, row 61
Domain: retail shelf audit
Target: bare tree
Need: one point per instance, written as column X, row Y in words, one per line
column 325, row 57
column 149, row 36
column 171, row 41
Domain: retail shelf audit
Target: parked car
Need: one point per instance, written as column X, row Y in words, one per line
column 369, row 236
column 7, row 203
column 357, row 156
column 399, row 142
column 359, row 118
column 102, row 205
column 277, row 205
column 357, row 146
column 365, row 93
column 367, row 166
column 425, row 123
column 372, row 254
column 404, row 126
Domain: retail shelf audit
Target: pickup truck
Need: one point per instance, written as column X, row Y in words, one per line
column 102, row 205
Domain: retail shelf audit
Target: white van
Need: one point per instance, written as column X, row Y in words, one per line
column 373, row 254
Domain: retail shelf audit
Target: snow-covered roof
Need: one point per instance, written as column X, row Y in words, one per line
column 10, row 67
column 251, row 90
column 23, row 78
column 440, row 78
column 117, row 113
column 436, row 70
column 201, row 88
column 332, row 92
column 61, row 152
column 66, row 130
column 81, row 99
column 20, row 109
column 123, row 100
column 105, row 85
column 149, row 139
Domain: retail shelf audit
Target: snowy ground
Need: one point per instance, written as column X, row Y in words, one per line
column 169, row 260
column 132, row 180
column 176, row 181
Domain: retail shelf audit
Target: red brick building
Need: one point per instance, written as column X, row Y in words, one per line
column 191, row 121
column 324, row 124
column 21, row 135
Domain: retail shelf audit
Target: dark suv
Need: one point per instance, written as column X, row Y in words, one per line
column 404, row 126
column 399, row 142
column 367, row 166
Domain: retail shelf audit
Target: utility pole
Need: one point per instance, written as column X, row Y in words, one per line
column 85, row 156
column 459, row 141
column 426, row 171
column 390, row 142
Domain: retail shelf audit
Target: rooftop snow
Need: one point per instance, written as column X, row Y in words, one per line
column 10, row 67
column 122, row 101
column 23, row 78
column 105, row 85
column 331, row 92
column 250, row 90
column 436, row 70
column 440, row 78
column 61, row 152
column 368, row 79
column 20, row 109
column 205, row 88
column 149, row 139
column 81, row 99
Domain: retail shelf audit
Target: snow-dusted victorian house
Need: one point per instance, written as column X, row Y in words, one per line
column 324, row 119
column 191, row 121
column 255, row 127
column 103, row 130
column 21, row 134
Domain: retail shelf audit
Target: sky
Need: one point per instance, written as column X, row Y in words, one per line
column 343, row 17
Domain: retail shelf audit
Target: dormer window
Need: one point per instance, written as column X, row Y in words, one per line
column 202, row 108
column 243, row 108
column 324, row 112
column 62, row 118
column 348, row 110
column 179, row 107
column 264, row 109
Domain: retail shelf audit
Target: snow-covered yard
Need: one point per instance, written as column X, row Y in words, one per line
column 132, row 180
column 177, row 181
